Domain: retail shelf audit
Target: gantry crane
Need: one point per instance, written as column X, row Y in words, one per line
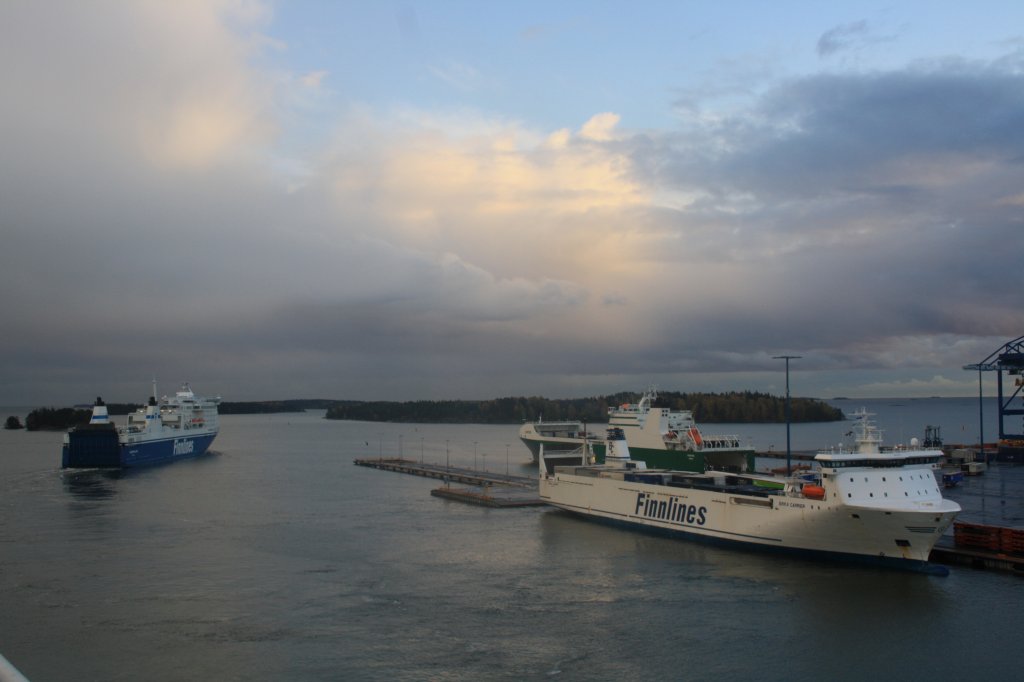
column 1009, row 359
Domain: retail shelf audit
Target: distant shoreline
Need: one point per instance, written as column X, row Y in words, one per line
column 592, row 410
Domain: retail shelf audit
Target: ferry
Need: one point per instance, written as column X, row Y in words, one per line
column 862, row 504
column 657, row 436
column 175, row 427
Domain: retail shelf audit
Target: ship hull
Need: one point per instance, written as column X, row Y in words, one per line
column 891, row 537
column 89, row 450
column 551, row 444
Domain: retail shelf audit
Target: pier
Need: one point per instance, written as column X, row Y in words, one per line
column 451, row 474
column 487, row 489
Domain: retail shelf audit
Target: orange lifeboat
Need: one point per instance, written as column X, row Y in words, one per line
column 695, row 435
column 814, row 492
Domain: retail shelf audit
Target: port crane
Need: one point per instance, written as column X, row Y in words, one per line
column 1008, row 359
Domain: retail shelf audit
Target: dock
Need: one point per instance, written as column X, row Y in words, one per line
column 947, row 552
column 446, row 473
column 486, row 488
column 501, row 497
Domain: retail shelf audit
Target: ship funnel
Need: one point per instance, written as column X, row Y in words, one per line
column 152, row 410
column 99, row 413
column 617, row 450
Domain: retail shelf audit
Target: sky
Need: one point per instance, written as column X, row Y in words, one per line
column 435, row 200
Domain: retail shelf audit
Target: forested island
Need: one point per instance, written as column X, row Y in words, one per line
column 735, row 407
column 60, row 418
column 277, row 406
column 738, row 407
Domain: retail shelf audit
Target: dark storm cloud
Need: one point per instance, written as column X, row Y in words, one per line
column 870, row 207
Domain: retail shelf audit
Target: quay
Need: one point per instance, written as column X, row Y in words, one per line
column 487, row 489
column 947, row 552
column 491, row 496
column 450, row 474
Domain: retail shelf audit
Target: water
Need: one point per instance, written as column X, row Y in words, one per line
column 276, row 558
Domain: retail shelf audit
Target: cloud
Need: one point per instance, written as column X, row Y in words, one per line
column 152, row 224
column 313, row 79
column 853, row 36
column 841, row 37
column 457, row 75
column 853, row 211
column 184, row 97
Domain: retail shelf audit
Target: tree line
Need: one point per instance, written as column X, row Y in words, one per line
column 733, row 407
column 738, row 407
column 59, row 418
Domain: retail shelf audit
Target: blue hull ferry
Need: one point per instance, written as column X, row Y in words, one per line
column 165, row 430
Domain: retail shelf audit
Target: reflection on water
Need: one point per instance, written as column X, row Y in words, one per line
column 93, row 484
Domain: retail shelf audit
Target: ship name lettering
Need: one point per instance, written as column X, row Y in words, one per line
column 184, row 447
column 671, row 509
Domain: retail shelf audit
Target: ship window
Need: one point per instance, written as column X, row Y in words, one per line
column 883, row 479
column 856, row 516
column 903, row 543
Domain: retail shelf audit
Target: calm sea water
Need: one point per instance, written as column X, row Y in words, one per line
column 274, row 558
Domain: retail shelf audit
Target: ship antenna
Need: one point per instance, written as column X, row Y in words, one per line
column 154, row 388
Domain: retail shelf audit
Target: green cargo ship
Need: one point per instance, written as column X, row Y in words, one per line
column 658, row 436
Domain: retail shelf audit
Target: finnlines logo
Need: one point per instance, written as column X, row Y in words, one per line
column 184, row 447
column 670, row 510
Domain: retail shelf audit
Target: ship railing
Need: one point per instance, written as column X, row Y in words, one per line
column 720, row 442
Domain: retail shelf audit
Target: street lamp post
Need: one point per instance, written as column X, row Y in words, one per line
column 787, row 358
